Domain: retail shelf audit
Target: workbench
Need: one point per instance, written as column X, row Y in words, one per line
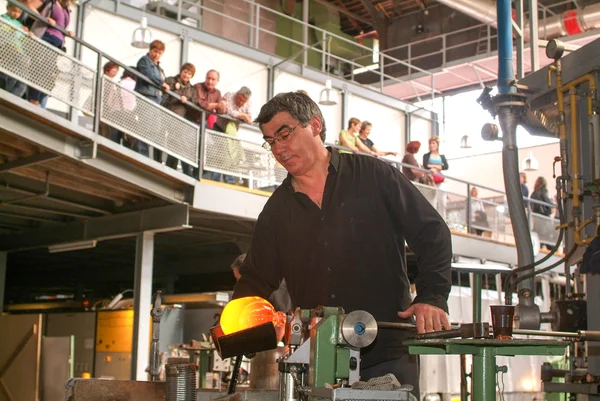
column 484, row 352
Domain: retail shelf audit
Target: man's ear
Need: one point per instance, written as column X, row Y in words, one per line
column 316, row 125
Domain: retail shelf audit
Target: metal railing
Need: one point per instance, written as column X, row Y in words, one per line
column 50, row 70
column 246, row 159
column 53, row 72
column 184, row 10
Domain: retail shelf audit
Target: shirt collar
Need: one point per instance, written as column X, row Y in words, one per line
column 334, row 165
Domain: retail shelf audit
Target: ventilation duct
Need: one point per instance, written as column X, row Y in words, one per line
column 569, row 22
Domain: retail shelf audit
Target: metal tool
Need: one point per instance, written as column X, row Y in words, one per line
column 156, row 313
column 467, row 330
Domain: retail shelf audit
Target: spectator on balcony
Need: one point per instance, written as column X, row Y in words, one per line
column 58, row 14
column 13, row 50
column 349, row 140
column 540, row 193
column 436, row 162
column 209, row 98
column 149, row 66
column 112, row 103
column 128, row 82
column 238, row 106
column 363, row 135
column 478, row 215
column 524, row 188
column 414, row 174
column 180, row 84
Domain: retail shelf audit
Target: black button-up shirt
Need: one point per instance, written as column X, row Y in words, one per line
column 351, row 252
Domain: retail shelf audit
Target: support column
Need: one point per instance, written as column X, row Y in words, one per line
column 142, row 300
column 484, row 375
column 534, row 35
column 3, row 258
column 519, row 40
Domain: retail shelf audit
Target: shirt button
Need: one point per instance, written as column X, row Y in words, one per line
column 322, row 218
column 329, row 269
column 351, row 219
column 325, row 243
column 332, row 296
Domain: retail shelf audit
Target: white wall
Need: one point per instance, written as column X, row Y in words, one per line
column 285, row 82
column 112, row 34
column 388, row 127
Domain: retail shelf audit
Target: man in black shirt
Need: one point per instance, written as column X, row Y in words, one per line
column 335, row 230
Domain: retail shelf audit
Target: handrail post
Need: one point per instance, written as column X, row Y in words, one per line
column 382, row 71
column 444, row 50
column 201, row 145
column 305, row 16
column 469, row 208
column 324, row 52
column 98, row 95
column 257, row 30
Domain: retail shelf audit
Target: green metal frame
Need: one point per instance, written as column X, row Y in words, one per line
column 484, row 354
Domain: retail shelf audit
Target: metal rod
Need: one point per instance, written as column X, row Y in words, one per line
column 476, row 298
column 545, row 333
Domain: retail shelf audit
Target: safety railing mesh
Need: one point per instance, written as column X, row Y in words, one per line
column 46, row 68
column 229, row 155
column 135, row 115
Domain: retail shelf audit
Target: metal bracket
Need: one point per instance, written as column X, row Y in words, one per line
column 86, row 149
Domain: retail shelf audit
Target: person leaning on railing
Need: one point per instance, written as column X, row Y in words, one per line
column 180, row 84
column 414, row 174
column 12, row 50
column 149, row 66
column 58, row 13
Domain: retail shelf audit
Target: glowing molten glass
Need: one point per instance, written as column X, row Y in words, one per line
column 244, row 313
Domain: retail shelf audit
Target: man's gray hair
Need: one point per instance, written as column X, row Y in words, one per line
column 245, row 91
column 298, row 104
column 239, row 261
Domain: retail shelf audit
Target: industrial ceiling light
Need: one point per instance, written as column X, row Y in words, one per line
column 464, row 142
column 328, row 95
column 142, row 36
column 72, row 246
column 530, row 163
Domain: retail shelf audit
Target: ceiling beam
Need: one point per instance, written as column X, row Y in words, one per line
column 345, row 11
column 27, row 161
column 162, row 219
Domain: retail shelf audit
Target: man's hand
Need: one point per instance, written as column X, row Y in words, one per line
column 166, row 86
column 183, row 99
column 428, row 317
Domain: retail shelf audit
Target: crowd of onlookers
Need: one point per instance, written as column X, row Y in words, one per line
column 222, row 113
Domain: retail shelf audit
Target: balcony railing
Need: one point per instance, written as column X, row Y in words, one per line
column 51, row 71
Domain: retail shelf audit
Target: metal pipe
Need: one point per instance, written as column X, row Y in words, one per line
column 506, row 74
column 570, row 22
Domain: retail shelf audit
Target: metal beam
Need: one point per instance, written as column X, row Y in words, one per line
column 162, row 219
column 59, row 195
column 27, row 161
column 3, row 259
column 142, row 300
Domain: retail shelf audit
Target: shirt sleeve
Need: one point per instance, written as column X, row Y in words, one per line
column 260, row 273
column 444, row 162
column 229, row 103
column 426, row 234
column 201, row 97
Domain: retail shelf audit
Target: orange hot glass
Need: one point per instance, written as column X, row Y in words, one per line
column 244, row 313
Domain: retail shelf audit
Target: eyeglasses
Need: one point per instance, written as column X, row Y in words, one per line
column 283, row 136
